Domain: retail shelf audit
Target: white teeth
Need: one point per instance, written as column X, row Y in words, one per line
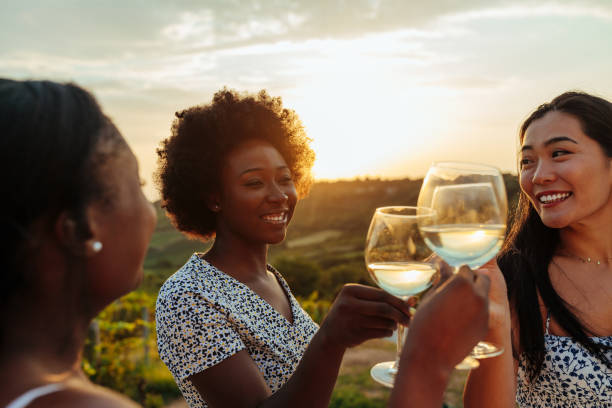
column 551, row 198
column 275, row 218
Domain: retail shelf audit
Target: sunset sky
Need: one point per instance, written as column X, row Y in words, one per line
column 384, row 87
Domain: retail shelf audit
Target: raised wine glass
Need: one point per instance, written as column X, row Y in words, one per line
column 397, row 258
column 470, row 205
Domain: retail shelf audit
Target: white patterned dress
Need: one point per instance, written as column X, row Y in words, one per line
column 571, row 377
column 204, row 316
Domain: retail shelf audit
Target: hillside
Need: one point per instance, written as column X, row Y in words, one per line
column 324, row 245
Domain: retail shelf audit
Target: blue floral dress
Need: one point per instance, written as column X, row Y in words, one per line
column 571, row 377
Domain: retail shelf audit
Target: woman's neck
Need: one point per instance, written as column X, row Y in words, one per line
column 242, row 260
column 587, row 240
column 591, row 236
column 45, row 350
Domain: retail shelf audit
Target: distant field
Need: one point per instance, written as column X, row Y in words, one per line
column 313, row 239
column 329, row 225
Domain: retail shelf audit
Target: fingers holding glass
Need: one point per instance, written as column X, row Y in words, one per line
column 470, row 206
column 399, row 261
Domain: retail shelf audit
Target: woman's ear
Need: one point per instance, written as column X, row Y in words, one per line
column 81, row 240
column 213, row 202
column 66, row 232
column 93, row 244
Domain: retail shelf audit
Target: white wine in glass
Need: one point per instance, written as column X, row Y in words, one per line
column 396, row 257
column 470, row 207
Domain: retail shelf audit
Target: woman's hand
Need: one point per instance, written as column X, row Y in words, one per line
column 494, row 382
column 443, row 331
column 360, row 313
column 452, row 320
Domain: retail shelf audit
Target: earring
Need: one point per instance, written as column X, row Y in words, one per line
column 216, row 208
column 96, row 246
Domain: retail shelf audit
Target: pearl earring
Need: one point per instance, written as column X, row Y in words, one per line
column 96, row 246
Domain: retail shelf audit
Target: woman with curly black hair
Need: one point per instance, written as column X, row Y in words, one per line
column 228, row 326
column 74, row 229
column 554, row 307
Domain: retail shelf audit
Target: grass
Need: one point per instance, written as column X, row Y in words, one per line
column 355, row 388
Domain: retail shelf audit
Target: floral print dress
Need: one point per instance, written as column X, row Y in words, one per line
column 204, row 316
column 571, row 377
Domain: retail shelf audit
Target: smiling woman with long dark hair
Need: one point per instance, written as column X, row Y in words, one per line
column 228, row 327
column 557, row 265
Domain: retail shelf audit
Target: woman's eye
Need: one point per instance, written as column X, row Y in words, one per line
column 253, row 183
column 558, row 153
column 525, row 162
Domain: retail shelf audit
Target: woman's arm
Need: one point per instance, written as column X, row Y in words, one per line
column 443, row 331
column 358, row 314
column 494, row 382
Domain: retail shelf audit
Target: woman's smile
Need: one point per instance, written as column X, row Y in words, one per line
column 564, row 172
column 275, row 218
column 552, row 198
column 258, row 195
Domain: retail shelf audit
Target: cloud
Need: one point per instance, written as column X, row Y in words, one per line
column 245, row 23
column 75, row 28
column 253, row 44
column 450, row 70
column 601, row 11
column 454, row 82
column 76, row 34
column 112, row 28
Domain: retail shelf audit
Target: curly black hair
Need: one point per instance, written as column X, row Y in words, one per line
column 190, row 160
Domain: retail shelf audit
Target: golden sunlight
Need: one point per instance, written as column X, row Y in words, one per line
column 363, row 117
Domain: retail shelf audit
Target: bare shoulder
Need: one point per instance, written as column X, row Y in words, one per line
column 91, row 396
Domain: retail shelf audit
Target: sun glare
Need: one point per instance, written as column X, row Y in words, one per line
column 361, row 113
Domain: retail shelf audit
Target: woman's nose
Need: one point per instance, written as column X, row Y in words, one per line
column 543, row 173
column 275, row 194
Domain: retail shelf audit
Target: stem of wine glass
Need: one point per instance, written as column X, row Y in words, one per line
column 468, row 362
column 401, row 332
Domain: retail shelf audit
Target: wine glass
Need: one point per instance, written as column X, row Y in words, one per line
column 397, row 258
column 470, row 207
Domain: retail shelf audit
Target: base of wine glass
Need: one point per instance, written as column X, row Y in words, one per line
column 467, row 364
column 485, row 349
column 384, row 373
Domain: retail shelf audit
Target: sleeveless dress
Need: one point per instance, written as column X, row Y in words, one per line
column 571, row 377
column 29, row 396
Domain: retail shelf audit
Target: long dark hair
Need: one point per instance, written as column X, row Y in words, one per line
column 49, row 133
column 530, row 245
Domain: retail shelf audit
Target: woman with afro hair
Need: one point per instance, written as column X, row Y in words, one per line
column 228, row 327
